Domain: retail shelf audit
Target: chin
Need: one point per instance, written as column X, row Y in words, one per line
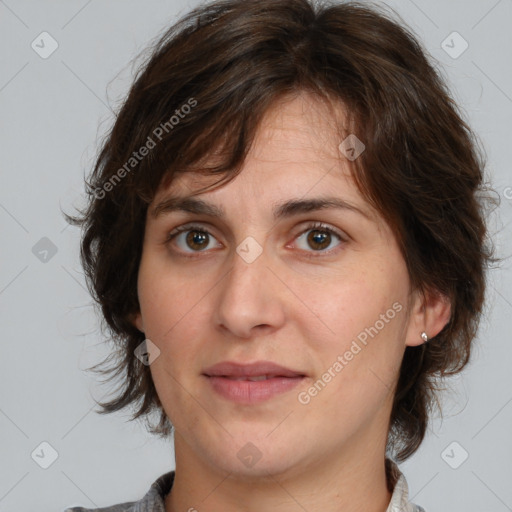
column 251, row 458
column 269, row 468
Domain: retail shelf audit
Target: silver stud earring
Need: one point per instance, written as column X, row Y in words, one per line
column 424, row 336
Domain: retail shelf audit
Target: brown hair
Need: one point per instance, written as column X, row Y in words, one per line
column 206, row 85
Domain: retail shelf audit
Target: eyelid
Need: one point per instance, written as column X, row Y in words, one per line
column 187, row 227
column 322, row 226
column 312, row 225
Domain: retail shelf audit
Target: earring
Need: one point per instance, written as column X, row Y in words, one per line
column 424, row 336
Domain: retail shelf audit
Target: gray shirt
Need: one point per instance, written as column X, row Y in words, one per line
column 153, row 501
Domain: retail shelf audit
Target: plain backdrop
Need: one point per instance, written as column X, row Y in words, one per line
column 53, row 112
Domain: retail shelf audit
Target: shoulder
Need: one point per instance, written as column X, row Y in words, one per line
column 120, row 507
column 153, row 500
column 400, row 490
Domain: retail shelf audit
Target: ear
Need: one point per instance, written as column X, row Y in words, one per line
column 136, row 320
column 429, row 313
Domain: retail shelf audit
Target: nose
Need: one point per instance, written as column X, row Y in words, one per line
column 251, row 298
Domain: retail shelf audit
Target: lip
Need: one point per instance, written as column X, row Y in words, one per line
column 233, row 369
column 238, row 370
column 222, row 378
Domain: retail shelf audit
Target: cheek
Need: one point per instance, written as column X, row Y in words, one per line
column 173, row 322
column 176, row 324
column 356, row 331
column 169, row 302
column 345, row 305
column 355, row 368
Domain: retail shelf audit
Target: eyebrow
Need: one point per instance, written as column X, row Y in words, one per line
column 280, row 211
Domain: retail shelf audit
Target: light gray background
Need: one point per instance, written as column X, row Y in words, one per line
column 52, row 113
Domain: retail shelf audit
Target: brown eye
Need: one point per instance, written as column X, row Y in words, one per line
column 197, row 240
column 190, row 239
column 318, row 237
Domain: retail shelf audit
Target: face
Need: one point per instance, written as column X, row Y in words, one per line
column 263, row 276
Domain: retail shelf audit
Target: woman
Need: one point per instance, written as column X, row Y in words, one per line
column 286, row 236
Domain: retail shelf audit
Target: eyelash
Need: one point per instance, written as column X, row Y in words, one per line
column 309, row 254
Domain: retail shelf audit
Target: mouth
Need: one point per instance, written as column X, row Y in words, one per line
column 251, row 383
column 252, row 390
column 250, row 379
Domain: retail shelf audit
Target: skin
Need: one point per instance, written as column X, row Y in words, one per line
column 283, row 307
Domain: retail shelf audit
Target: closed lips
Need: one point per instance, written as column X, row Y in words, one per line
column 261, row 370
column 252, row 379
column 252, row 383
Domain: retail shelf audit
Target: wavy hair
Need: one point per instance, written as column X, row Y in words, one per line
column 205, row 85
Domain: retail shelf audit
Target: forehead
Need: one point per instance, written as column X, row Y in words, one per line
column 295, row 128
column 295, row 154
column 301, row 132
